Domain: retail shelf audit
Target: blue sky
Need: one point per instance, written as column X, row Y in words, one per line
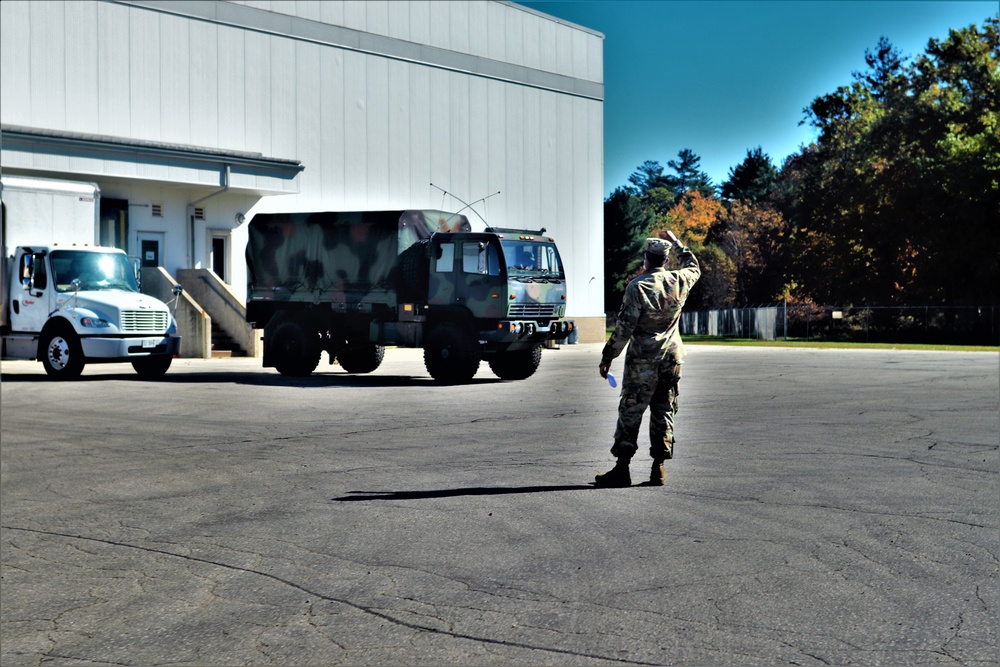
column 724, row 76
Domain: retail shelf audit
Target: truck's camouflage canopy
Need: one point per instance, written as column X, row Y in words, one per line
column 324, row 251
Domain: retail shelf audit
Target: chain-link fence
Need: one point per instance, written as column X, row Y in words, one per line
column 959, row 325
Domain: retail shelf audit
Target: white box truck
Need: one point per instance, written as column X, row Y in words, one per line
column 66, row 301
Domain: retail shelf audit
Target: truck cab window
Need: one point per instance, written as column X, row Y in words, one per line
column 32, row 272
column 446, row 258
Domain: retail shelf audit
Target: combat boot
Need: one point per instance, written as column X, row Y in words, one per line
column 617, row 477
column 657, row 476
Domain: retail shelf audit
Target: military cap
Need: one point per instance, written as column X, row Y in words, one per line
column 657, row 246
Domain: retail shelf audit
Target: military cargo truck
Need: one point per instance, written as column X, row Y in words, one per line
column 352, row 283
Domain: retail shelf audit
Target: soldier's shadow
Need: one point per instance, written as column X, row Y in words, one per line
column 356, row 496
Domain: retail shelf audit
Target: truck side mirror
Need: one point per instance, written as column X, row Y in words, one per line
column 177, row 290
column 137, row 270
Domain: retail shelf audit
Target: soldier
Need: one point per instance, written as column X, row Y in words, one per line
column 648, row 320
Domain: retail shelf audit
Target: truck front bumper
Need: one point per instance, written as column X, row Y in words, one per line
column 98, row 347
column 523, row 333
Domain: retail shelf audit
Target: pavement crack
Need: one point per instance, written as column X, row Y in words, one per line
column 372, row 611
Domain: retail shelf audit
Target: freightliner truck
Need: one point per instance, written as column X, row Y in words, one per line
column 66, row 301
column 352, row 283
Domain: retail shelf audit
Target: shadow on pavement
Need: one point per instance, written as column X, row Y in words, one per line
column 448, row 493
column 256, row 379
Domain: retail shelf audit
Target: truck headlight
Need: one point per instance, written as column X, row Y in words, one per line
column 94, row 322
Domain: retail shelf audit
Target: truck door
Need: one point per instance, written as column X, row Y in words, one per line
column 29, row 295
column 478, row 283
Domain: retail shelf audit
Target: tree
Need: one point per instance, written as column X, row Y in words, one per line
column 753, row 179
column 647, row 176
column 626, row 222
column 898, row 199
column 753, row 236
column 690, row 218
column 688, row 175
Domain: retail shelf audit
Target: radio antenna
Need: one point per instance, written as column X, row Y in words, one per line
column 467, row 206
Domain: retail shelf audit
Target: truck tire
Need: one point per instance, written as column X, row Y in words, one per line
column 451, row 355
column 61, row 353
column 516, row 365
column 295, row 353
column 361, row 357
column 152, row 368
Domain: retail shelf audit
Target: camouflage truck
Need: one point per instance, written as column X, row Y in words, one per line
column 352, row 283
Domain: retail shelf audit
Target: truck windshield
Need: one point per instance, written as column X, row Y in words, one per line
column 94, row 270
column 531, row 259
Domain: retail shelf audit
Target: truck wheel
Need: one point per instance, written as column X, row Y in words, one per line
column 61, row 353
column 151, row 368
column 361, row 357
column 295, row 354
column 517, row 365
column 450, row 355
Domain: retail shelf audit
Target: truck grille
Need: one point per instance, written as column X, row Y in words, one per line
column 532, row 310
column 144, row 320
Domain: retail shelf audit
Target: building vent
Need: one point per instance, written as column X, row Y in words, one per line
column 157, row 210
column 199, row 213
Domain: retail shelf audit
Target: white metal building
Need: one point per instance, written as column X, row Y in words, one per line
column 193, row 116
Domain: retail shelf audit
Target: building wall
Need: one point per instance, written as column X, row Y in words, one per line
column 377, row 100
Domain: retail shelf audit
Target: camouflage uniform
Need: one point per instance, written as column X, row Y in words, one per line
column 648, row 320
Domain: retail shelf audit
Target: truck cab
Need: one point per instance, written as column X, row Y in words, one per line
column 68, row 306
column 513, row 283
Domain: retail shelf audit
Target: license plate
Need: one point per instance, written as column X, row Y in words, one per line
column 149, row 343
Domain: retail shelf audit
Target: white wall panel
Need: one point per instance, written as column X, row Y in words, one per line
column 398, row 134
column 307, row 107
column 204, row 82
column 355, row 15
column 440, row 25
column 479, row 29
column 496, row 98
column 232, row 89
column 257, row 98
column 514, row 36
column 282, row 92
column 175, row 116
column 458, row 27
column 332, row 13
column 144, row 73
column 418, row 158
column 48, row 64
column 538, row 40
column 555, row 162
column 497, row 34
column 479, row 157
column 331, row 131
column 532, row 160
column 82, row 98
column 309, row 9
column 377, row 15
column 440, row 130
column 420, row 21
column 113, row 68
column 514, row 164
column 377, row 130
column 355, row 123
column 15, row 51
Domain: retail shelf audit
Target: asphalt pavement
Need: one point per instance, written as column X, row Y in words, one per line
column 824, row 507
